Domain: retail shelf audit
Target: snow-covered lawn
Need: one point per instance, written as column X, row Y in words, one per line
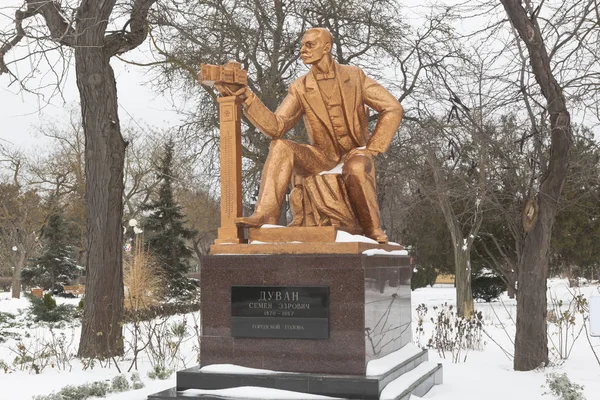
column 17, row 384
column 489, row 374
column 485, row 374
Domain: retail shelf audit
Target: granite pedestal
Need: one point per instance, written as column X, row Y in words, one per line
column 368, row 316
column 369, row 310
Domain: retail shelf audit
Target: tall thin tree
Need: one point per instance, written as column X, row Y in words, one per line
column 166, row 232
column 531, row 341
column 81, row 26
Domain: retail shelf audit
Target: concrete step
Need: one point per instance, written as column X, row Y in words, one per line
column 417, row 382
column 394, row 377
column 394, row 365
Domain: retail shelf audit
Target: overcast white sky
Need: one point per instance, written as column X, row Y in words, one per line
column 21, row 113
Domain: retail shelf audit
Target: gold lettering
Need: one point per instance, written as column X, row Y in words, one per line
column 261, row 305
column 293, row 327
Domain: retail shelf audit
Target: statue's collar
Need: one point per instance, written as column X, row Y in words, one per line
column 325, row 75
column 336, row 70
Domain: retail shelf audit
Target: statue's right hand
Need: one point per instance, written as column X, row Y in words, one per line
column 233, row 90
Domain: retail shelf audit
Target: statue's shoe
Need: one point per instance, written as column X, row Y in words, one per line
column 254, row 221
column 297, row 221
column 379, row 235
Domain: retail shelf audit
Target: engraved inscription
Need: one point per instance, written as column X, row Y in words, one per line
column 227, row 172
column 280, row 312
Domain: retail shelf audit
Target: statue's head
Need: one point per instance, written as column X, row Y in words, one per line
column 316, row 44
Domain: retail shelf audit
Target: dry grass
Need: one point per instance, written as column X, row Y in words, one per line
column 142, row 280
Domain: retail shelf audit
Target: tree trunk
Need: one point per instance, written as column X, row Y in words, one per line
column 511, row 291
column 462, row 246
column 16, row 278
column 101, row 334
column 531, row 341
column 464, row 294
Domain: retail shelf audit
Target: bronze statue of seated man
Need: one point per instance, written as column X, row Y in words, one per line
column 331, row 98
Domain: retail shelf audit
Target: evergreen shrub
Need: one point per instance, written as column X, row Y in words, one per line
column 487, row 286
column 79, row 392
column 49, row 302
column 160, row 372
column 423, row 276
column 47, row 310
column 56, row 266
column 168, row 234
column 120, row 384
column 136, row 381
column 561, row 386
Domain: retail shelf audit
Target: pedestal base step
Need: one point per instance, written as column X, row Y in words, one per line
column 416, row 382
column 411, row 376
column 301, row 248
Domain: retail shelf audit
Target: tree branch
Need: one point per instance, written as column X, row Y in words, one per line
column 61, row 30
column 120, row 42
column 560, row 119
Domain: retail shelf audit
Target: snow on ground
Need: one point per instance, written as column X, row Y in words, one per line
column 485, row 374
column 24, row 384
column 489, row 374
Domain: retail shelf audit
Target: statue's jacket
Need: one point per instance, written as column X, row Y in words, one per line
column 304, row 99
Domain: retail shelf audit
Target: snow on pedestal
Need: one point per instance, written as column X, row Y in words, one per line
column 250, row 392
column 384, row 364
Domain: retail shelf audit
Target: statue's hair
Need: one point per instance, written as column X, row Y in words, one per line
column 325, row 34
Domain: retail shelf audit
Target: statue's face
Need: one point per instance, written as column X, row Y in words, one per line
column 313, row 48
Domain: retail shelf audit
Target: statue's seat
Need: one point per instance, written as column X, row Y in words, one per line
column 322, row 200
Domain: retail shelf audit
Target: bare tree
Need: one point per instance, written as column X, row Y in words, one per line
column 202, row 214
column 550, row 60
column 59, row 176
column 141, row 180
column 444, row 163
column 21, row 219
column 531, row 342
column 82, row 27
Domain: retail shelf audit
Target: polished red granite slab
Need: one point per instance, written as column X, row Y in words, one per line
column 369, row 310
